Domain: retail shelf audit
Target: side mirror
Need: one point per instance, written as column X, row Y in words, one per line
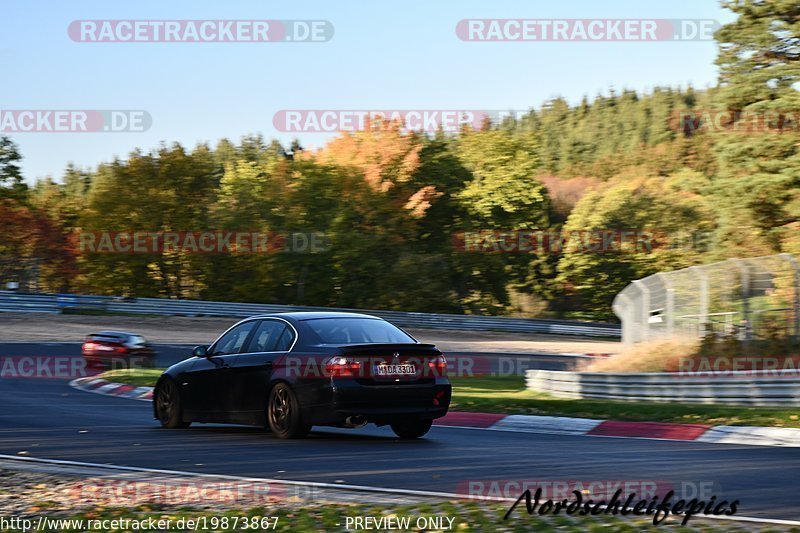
column 200, row 351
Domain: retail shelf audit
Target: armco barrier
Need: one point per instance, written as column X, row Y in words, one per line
column 56, row 303
column 757, row 388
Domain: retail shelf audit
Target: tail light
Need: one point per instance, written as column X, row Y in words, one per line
column 438, row 366
column 87, row 346
column 342, row 366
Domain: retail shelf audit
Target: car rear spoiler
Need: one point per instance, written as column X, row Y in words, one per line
column 365, row 347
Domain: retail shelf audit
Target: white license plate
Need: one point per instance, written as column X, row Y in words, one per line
column 395, row 370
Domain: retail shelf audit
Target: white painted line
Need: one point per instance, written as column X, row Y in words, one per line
column 313, row 484
column 335, row 486
column 560, row 425
column 753, row 436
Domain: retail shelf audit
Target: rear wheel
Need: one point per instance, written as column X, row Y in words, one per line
column 283, row 413
column 168, row 405
column 411, row 429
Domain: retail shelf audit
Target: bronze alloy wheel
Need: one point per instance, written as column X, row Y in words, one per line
column 168, row 407
column 283, row 414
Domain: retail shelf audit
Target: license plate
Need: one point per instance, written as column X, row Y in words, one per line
column 395, row 370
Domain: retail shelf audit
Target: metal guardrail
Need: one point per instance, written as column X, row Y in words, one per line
column 756, row 388
column 56, row 303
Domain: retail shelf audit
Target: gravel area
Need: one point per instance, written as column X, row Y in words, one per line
column 28, row 492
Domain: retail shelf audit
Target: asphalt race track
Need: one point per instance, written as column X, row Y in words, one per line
column 46, row 418
column 169, row 354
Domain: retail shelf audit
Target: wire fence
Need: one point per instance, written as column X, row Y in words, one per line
column 756, row 298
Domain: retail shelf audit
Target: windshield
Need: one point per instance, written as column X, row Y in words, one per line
column 357, row 331
column 137, row 340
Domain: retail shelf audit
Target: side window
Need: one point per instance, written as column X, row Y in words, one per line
column 285, row 340
column 233, row 341
column 266, row 336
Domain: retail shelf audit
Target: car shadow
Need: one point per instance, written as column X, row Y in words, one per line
column 320, row 433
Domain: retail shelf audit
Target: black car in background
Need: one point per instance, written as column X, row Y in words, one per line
column 291, row 371
column 116, row 350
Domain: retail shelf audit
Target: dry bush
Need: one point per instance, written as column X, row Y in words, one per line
column 653, row 356
column 566, row 192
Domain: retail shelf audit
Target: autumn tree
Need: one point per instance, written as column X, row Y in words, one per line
column 12, row 184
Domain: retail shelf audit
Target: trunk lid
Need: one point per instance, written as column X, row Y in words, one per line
column 393, row 364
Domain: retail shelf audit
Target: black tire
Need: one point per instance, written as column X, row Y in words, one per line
column 411, row 429
column 168, row 405
column 283, row 413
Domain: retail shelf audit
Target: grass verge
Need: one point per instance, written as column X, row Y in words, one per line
column 138, row 377
column 465, row 516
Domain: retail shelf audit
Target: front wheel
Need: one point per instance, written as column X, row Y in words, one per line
column 283, row 414
column 168, row 406
column 411, row 429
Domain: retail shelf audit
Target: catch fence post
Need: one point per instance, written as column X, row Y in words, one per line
column 645, row 316
column 796, row 304
column 745, row 279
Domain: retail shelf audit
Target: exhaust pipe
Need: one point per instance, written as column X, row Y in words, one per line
column 355, row 421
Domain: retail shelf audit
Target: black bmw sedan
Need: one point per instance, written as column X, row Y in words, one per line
column 291, row 371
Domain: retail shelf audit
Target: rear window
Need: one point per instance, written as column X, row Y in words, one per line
column 356, row 331
column 137, row 340
column 99, row 337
